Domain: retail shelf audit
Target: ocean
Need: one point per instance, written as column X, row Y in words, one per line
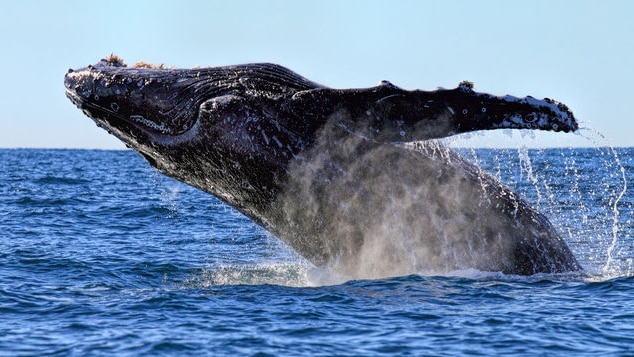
column 100, row 255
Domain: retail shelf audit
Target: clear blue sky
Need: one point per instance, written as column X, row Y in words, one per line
column 578, row 52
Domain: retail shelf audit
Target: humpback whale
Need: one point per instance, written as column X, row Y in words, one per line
column 354, row 180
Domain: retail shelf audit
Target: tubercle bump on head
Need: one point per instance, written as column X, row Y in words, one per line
column 466, row 86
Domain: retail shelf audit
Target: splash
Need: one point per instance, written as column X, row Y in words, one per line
column 612, row 268
column 284, row 274
column 290, row 274
column 582, row 190
column 372, row 210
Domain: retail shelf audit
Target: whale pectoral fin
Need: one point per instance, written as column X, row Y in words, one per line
column 391, row 114
column 482, row 111
column 387, row 113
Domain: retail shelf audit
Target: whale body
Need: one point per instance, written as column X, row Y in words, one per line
column 352, row 179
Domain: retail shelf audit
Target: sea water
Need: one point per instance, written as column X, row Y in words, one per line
column 101, row 255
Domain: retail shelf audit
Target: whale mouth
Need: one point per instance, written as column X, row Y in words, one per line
column 133, row 101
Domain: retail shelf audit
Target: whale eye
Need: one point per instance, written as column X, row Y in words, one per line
column 484, row 110
column 464, row 111
column 114, row 106
column 531, row 118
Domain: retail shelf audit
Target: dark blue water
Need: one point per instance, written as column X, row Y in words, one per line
column 100, row 255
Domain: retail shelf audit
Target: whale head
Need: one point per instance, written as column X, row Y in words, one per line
column 217, row 129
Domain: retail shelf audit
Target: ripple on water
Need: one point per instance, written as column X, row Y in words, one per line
column 91, row 264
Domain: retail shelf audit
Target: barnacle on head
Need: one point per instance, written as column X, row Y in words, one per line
column 115, row 60
column 142, row 64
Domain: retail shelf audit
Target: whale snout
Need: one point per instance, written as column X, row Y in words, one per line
column 79, row 89
column 89, row 87
column 73, row 86
column 145, row 99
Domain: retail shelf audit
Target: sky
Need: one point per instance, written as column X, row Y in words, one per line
column 578, row 52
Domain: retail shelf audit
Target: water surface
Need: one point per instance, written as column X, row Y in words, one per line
column 101, row 255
